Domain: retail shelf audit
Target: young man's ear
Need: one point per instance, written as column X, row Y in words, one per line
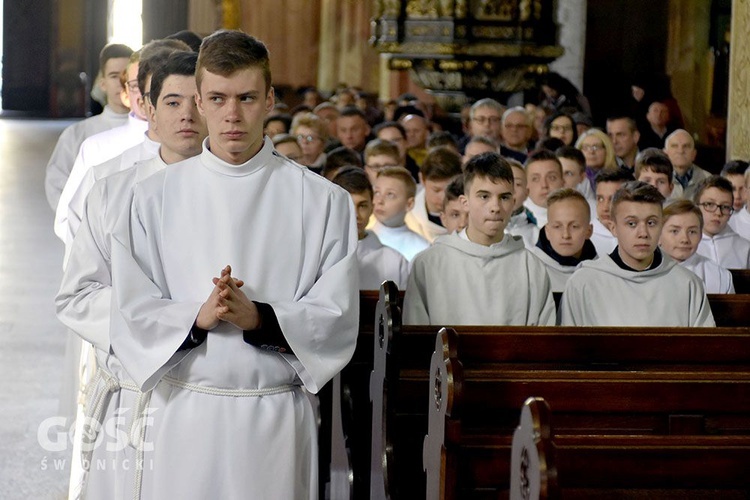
column 199, row 103
column 590, row 231
column 464, row 201
column 409, row 203
column 270, row 100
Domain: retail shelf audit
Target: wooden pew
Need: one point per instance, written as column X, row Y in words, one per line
column 352, row 450
column 533, row 470
column 741, row 280
column 641, row 413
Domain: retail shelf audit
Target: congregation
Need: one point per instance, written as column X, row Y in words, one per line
column 216, row 239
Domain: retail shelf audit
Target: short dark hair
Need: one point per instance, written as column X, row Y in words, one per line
column 178, row 63
column 714, row 181
column 226, row 51
column 192, row 39
column 281, row 117
column 153, row 55
column 339, row 158
column 656, row 160
column 613, row 175
column 440, row 163
column 632, row 124
column 549, row 143
column 734, row 167
column 572, row 153
column 454, row 189
column 353, row 111
column 490, row 165
column 637, row 192
column 682, row 206
column 542, row 155
column 354, row 180
column 113, row 51
column 441, row 138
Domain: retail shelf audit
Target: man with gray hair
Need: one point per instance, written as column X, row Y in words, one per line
column 515, row 133
column 680, row 147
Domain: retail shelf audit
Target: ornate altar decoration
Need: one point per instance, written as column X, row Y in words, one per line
column 467, row 48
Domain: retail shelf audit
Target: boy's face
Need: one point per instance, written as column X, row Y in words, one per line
column 110, row 82
column 391, row 201
column 681, row 236
column 573, row 173
column 543, row 177
column 738, row 190
column 662, row 182
column 393, row 135
column 434, row 193
column 274, row 128
column 604, row 193
column 291, row 150
column 715, row 222
column 352, row 131
column 363, row 208
column 176, row 119
column 519, row 187
column 568, row 227
column 489, row 205
column 637, row 227
column 234, row 107
column 375, row 163
column 454, row 217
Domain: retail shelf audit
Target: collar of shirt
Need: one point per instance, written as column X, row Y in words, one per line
column 684, row 180
column 588, row 252
column 615, row 256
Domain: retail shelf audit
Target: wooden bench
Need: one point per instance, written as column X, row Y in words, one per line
column 643, row 413
column 533, row 469
column 352, row 414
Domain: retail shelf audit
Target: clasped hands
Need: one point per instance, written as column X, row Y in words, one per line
column 228, row 303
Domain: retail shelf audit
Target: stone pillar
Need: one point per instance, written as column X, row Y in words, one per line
column 738, row 119
column 571, row 17
column 688, row 60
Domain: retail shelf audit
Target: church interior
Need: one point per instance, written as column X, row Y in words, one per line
column 445, row 54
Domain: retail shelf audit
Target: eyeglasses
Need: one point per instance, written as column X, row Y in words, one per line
column 561, row 128
column 710, row 206
column 307, row 138
column 492, row 120
column 132, row 85
column 592, row 148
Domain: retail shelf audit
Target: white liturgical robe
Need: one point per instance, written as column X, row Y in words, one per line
column 236, row 424
column 459, row 282
column 83, row 305
column 558, row 273
column 716, row 279
column 402, row 239
column 602, row 238
column 378, row 263
column 95, row 150
column 740, row 223
column 61, row 162
column 728, row 249
column 601, row 293
column 145, row 150
column 520, row 225
column 418, row 220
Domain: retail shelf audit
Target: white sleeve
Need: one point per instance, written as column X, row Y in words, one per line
column 61, row 163
column 83, row 301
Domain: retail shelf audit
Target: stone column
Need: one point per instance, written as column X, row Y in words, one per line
column 738, row 119
column 571, row 18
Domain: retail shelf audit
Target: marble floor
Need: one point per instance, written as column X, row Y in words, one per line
column 34, row 448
